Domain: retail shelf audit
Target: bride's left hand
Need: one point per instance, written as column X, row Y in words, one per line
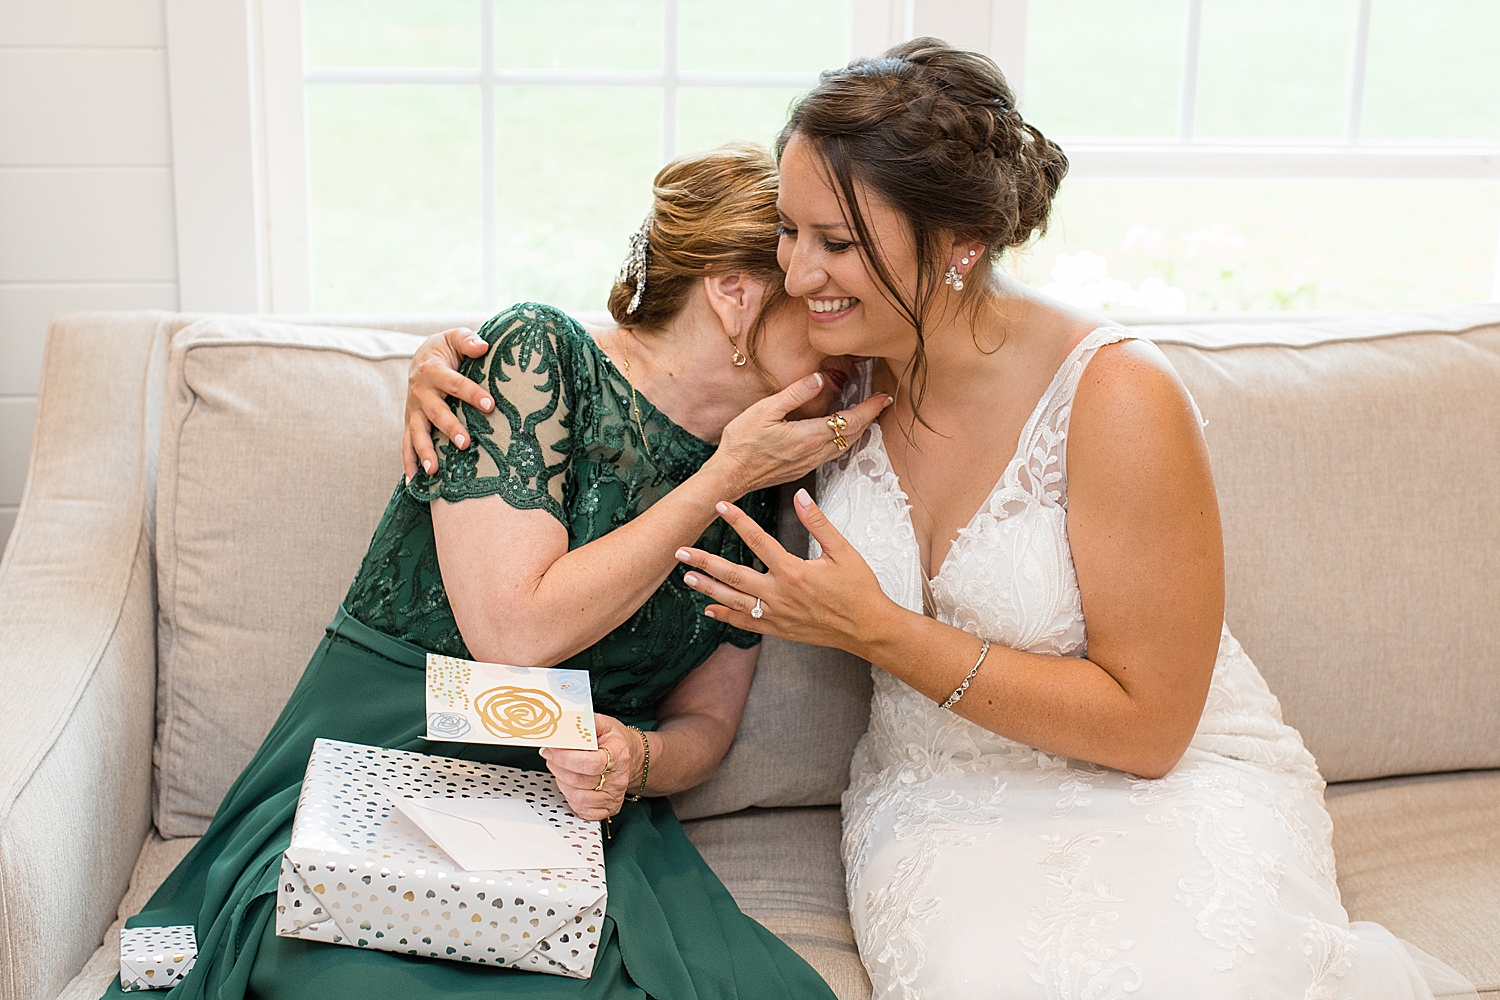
column 827, row 601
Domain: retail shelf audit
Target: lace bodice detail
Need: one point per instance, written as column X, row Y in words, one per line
column 564, row 439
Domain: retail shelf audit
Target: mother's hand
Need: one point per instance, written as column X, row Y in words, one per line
column 431, row 378
column 578, row 771
column 827, row 601
column 763, row 448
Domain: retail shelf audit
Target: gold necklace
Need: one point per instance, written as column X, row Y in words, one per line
column 634, row 410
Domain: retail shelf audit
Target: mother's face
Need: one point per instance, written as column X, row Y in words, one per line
column 849, row 310
column 784, row 355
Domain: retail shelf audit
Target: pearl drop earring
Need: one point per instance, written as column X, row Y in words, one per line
column 953, row 278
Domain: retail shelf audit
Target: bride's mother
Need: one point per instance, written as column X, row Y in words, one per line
column 545, row 539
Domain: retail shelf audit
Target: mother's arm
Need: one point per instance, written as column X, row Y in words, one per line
column 695, row 725
column 520, row 595
column 1143, row 525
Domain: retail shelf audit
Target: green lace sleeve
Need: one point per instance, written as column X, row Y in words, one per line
column 521, row 450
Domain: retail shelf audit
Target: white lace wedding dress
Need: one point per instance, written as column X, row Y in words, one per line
column 978, row 867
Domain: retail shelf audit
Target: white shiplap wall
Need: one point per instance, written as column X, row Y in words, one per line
column 86, row 200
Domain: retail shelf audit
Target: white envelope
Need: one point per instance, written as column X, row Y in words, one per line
column 488, row 834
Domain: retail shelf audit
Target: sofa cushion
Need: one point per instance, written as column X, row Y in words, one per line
column 1358, row 466
column 152, row 866
column 808, row 706
column 783, row 867
column 1421, row 855
column 280, row 448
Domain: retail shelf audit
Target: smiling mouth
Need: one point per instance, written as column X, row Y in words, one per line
column 830, row 305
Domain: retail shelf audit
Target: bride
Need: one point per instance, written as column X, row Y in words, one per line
column 1075, row 782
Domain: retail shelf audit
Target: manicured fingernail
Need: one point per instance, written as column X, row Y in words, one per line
column 428, row 466
column 683, row 555
column 691, row 579
column 710, row 612
column 486, row 404
column 816, row 381
column 804, row 498
column 888, row 401
column 721, row 507
column 461, row 441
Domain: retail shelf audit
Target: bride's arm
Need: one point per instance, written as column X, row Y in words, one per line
column 1143, row 526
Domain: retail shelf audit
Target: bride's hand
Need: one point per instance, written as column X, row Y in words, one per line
column 827, row 601
column 431, row 378
column 762, row 448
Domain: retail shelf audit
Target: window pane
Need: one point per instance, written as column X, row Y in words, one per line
column 578, row 34
column 774, row 35
column 1274, row 68
column 1434, row 71
column 394, row 173
column 1112, row 69
column 391, row 33
column 1271, row 244
column 712, row 116
column 575, row 167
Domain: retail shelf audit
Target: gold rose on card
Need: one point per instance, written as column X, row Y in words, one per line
column 472, row 702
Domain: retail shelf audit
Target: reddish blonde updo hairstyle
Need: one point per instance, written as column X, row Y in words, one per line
column 712, row 213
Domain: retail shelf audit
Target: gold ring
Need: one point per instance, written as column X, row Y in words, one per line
column 839, row 425
column 609, row 766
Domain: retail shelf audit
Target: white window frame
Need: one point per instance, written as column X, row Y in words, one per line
column 669, row 79
column 237, row 86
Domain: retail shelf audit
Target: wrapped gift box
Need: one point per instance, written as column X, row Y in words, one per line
column 362, row 871
column 156, row 958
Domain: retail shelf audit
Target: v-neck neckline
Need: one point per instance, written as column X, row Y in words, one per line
column 1027, row 432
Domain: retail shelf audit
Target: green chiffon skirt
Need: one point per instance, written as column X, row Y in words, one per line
column 671, row 931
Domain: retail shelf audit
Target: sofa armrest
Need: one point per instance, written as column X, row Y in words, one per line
column 78, row 648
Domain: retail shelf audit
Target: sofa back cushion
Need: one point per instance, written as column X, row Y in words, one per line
column 1357, row 461
column 279, row 450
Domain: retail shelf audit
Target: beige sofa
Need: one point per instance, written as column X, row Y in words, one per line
column 202, row 489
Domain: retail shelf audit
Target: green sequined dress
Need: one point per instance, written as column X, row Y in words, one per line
column 561, row 439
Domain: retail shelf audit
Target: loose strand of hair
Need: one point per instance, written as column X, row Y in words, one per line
column 837, row 162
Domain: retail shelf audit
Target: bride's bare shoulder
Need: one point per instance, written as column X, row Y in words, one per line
column 1131, row 408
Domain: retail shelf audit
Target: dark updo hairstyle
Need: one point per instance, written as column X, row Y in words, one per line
column 712, row 212
column 933, row 131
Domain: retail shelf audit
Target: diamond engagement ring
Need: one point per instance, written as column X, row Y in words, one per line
column 757, row 611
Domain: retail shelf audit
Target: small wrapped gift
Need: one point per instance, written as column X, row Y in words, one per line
column 441, row 858
column 156, row 958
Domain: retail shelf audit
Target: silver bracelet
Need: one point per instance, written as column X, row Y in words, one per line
column 958, row 692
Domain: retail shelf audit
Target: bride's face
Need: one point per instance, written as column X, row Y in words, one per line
column 848, row 310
